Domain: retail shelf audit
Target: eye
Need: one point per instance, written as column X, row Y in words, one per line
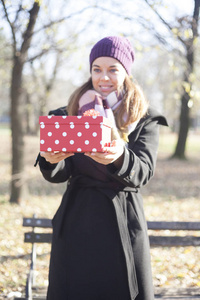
column 96, row 70
column 113, row 70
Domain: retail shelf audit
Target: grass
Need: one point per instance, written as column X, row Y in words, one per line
column 168, row 142
column 173, row 194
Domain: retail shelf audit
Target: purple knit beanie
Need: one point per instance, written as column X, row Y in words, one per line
column 114, row 46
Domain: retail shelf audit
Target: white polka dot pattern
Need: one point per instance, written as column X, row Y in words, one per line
column 57, row 125
column 42, row 125
column 74, row 133
column 71, row 125
column 87, row 126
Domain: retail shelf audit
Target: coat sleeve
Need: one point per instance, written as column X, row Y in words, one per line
column 55, row 173
column 139, row 157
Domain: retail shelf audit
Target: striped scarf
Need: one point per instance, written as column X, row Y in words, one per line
column 105, row 106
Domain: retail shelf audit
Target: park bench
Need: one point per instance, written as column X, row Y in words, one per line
column 35, row 237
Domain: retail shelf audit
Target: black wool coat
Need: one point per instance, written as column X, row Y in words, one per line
column 100, row 247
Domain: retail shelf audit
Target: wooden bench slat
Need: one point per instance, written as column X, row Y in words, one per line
column 37, row 222
column 177, row 292
column 174, row 241
column 165, row 225
column 153, row 225
column 155, row 241
column 33, row 298
column 33, row 237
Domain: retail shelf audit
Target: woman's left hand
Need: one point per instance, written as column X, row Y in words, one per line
column 113, row 154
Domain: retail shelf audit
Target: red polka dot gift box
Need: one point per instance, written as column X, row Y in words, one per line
column 74, row 133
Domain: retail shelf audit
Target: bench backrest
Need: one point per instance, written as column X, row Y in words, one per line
column 154, row 226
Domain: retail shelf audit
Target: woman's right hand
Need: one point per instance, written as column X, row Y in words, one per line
column 55, row 157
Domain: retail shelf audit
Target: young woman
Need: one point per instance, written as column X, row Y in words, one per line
column 100, row 247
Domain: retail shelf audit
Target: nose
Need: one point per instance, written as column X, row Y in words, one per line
column 105, row 76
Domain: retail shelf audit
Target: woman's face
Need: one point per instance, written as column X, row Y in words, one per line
column 108, row 75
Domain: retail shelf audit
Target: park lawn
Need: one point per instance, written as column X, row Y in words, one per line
column 173, row 194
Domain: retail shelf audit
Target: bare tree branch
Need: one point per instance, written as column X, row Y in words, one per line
column 29, row 30
column 12, row 27
column 54, row 47
column 49, row 85
column 31, row 59
column 110, row 11
column 164, row 22
column 17, row 13
column 195, row 19
column 62, row 19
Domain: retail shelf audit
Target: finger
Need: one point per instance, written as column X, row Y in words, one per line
column 43, row 153
column 113, row 150
column 66, row 155
column 55, row 157
column 62, row 155
column 102, row 157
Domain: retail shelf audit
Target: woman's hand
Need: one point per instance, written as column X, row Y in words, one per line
column 113, row 154
column 55, row 157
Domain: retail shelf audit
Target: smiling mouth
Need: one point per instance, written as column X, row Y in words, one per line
column 107, row 87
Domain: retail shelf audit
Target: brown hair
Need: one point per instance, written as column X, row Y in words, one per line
column 73, row 105
column 133, row 104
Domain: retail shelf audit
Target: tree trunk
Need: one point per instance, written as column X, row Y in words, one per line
column 185, row 110
column 17, row 131
column 184, row 120
column 17, row 108
column 184, row 123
